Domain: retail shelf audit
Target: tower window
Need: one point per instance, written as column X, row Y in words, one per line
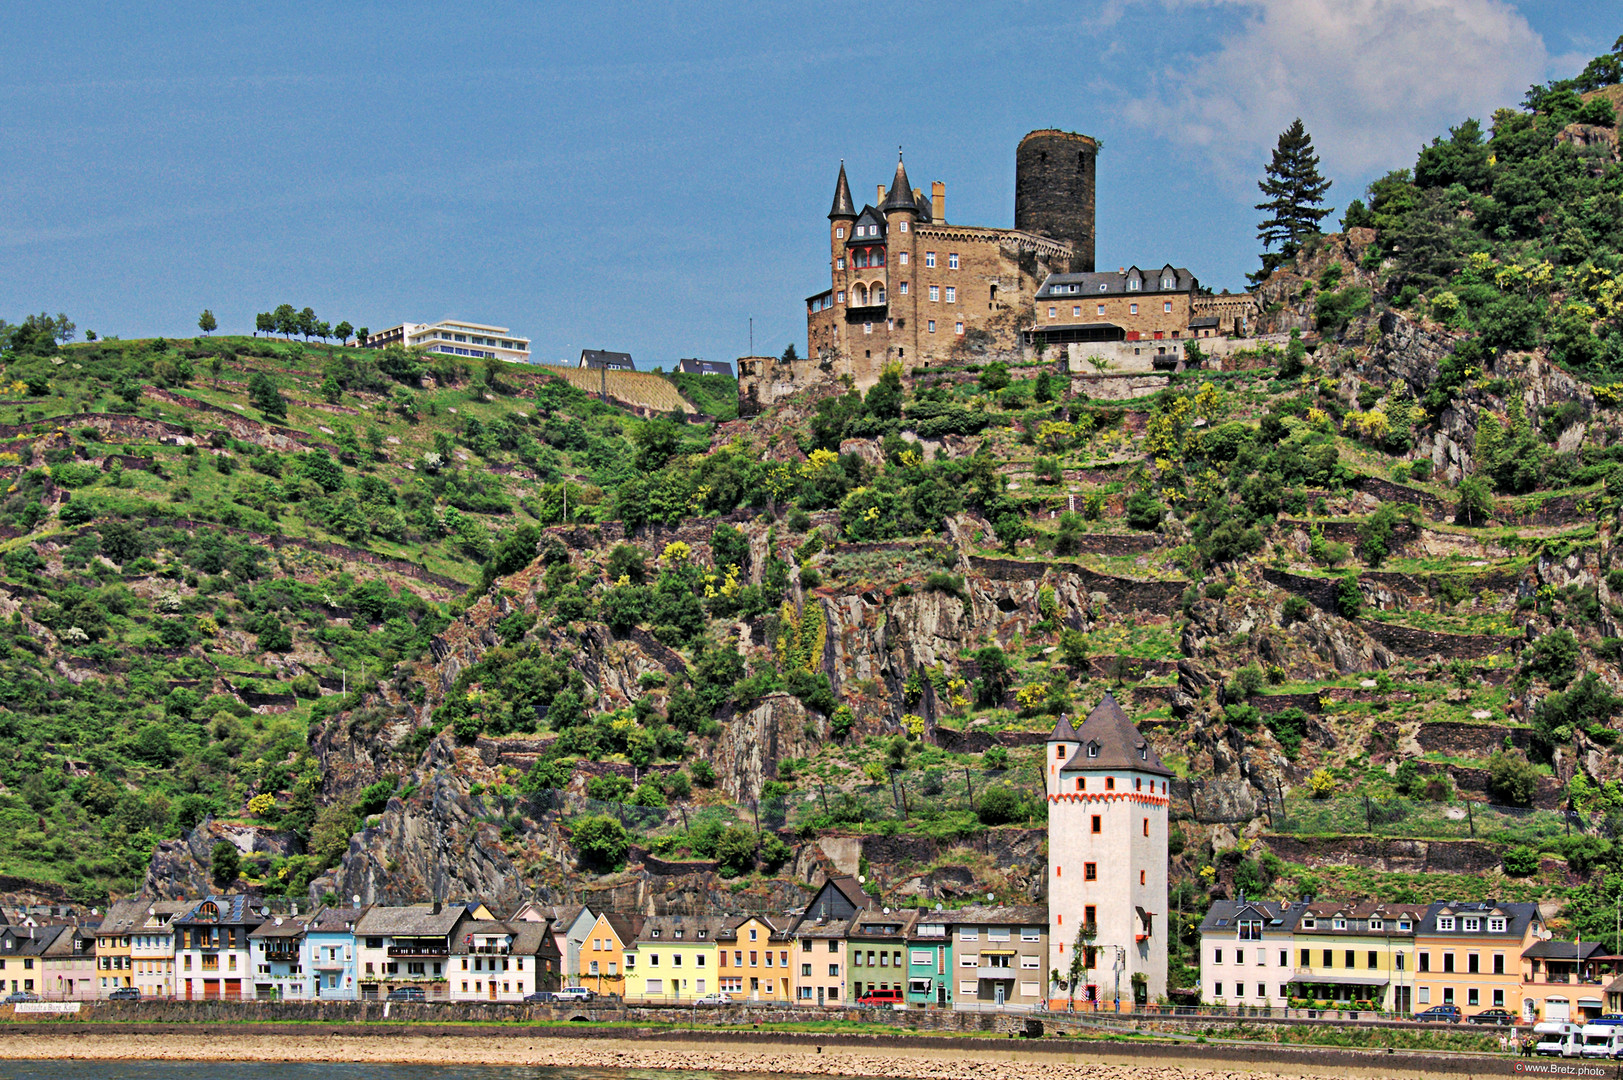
column 904, row 288
column 839, row 264
column 1110, row 783
column 1081, row 784
column 952, row 260
column 929, row 258
column 1090, row 871
column 902, row 258
column 1059, row 752
column 958, row 328
column 1166, row 306
column 1098, row 824
column 1141, row 877
column 932, row 326
column 1146, row 826
column 904, row 225
column 839, row 232
column 952, row 294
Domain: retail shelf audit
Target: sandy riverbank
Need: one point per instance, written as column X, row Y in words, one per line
column 995, row 1063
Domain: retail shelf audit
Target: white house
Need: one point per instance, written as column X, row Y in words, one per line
column 1107, row 855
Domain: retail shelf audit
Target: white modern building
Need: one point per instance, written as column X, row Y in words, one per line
column 1107, row 855
column 453, row 337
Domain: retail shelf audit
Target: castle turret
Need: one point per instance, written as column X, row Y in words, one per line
column 1107, row 855
column 843, row 206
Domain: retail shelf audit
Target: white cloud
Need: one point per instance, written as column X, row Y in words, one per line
column 1372, row 79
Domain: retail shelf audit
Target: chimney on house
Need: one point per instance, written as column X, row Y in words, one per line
column 880, row 198
column 436, row 908
column 938, row 202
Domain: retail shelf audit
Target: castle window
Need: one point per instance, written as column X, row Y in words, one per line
column 1110, row 783
column 1090, row 871
column 1059, row 752
column 1093, row 749
column 867, row 328
column 839, row 232
column 1166, row 306
column 932, row 326
column 1166, row 283
column 839, row 297
column 1132, row 309
column 1101, row 309
column 958, row 328
column 904, row 225
column 1132, row 284
column 1146, row 826
column 1076, row 311
column 903, row 258
column 839, row 264
column 904, row 288
column 859, row 296
column 929, row 258
column 1053, row 312
column 952, row 260
column 878, row 294
column 1081, row 784
column 935, row 293
column 1138, row 783
column 1098, row 824
column 952, row 295
column 1104, row 287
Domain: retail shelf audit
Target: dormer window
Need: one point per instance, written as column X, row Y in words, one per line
column 1143, row 753
column 1308, row 922
column 1445, row 922
column 1496, row 925
column 1341, row 924
column 1103, row 287
column 654, row 933
column 1132, row 284
column 1376, row 924
column 1473, row 925
column 1166, row 283
column 1093, row 749
column 1403, row 924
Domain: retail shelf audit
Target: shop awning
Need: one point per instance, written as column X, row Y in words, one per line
column 1309, row 979
column 998, row 952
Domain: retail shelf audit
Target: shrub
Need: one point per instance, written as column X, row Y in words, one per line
column 1349, row 597
column 1289, row 727
column 1322, row 784
column 1475, row 502
column 703, row 774
column 1295, row 609
column 999, row 805
column 995, row 757
column 1553, row 658
column 1512, row 778
column 225, row 862
column 1144, row 510
column 1521, row 861
column 735, row 851
column 601, row 841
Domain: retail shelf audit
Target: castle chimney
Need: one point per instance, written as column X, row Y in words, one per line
column 938, row 202
column 879, row 199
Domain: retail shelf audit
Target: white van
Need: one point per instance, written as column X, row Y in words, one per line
column 1557, row 1038
column 1603, row 1040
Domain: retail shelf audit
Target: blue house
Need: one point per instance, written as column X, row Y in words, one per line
column 276, row 947
column 329, row 953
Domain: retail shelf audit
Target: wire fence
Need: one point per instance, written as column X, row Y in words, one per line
column 1426, row 820
column 933, row 794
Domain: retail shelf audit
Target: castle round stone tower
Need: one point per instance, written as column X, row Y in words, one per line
column 1054, row 190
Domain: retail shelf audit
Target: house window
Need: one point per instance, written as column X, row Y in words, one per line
column 1498, row 963
column 958, row 328
column 1093, row 749
column 1101, row 309
column 1425, row 995
column 1397, row 961
column 1448, row 995
column 1053, row 312
column 1448, row 963
column 1217, row 989
column 1496, row 925
column 1110, row 783
column 1349, row 958
column 1284, row 957
column 1445, row 922
column 1371, row 961
column 834, row 971
column 1098, row 824
column 935, row 293
column 1473, row 963
column 1499, row 999
column 1473, row 925
column 1425, row 961
column 1076, row 311
column 1090, row 871
column 952, row 260
column 952, row 294
column 929, row 258
column 1307, row 958
column 1132, row 309
column 1329, row 958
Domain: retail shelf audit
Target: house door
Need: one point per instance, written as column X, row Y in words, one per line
column 493, row 990
column 1401, row 1000
column 1529, row 1010
column 941, row 995
column 997, row 993
column 819, row 995
column 211, row 989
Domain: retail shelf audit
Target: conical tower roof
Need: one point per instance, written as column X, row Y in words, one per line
column 1116, row 742
column 843, row 206
column 900, row 195
column 1063, row 731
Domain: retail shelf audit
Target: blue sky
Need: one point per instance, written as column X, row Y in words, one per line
column 650, row 176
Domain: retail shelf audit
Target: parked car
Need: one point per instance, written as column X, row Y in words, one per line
column 1492, row 1016
column 541, row 996
column 715, row 999
column 407, row 993
column 881, row 997
column 1448, row 1014
column 18, row 997
column 575, row 993
column 125, row 993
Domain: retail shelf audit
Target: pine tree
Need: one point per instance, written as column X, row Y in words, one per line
column 1295, row 198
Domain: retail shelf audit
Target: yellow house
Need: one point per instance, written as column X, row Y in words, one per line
column 674, row 959
column 1470, row 955
column 1357, row 952
column 603, row 953
column 753, row 958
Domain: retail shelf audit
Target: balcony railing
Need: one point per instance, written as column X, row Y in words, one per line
column 498, row 950
column 419, row 950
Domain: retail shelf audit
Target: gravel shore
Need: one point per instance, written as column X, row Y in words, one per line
column 997, row 1063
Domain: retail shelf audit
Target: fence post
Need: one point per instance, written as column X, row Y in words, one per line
column 1470, row 819
column 969, row 788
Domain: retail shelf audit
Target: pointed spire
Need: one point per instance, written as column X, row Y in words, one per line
column 843, row 207
column 1063, row 731
column 900, row 195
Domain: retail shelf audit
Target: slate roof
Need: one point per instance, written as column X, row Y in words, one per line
column 534, row 939
column 705, row 367
column 900, row 196
column 282, row 927
column 824, row 929
column 63, row 943
column 695, row 929
column 625, row 927
column 125, row 916
column 731, row 923
column 843, row 206
column 28, row 940
column 1358, row 914
column 1120, row 745
column 1277, row 917
column 1003, row 915
column 1517, row 916
column 1063, row 731
column 1202, row 322
column 1569, row 951
column 235, row 910
column 330, row 920
column 410, row 920
column 874, row 924
column 602, row 358
column 869, row 216
column 1115, row 282
column 852, row 890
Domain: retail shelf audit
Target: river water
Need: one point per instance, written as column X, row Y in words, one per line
column 184, row 1070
